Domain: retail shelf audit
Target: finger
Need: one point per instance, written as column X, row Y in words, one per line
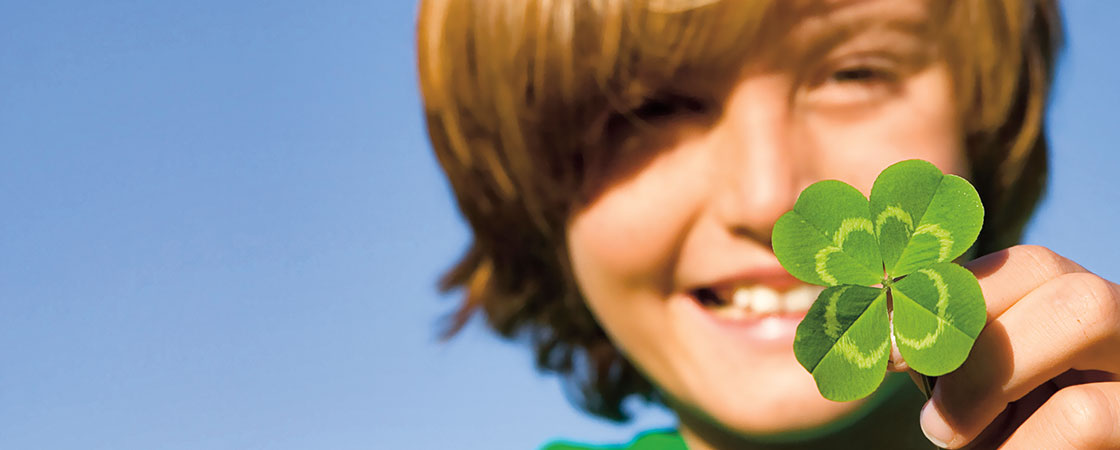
column 1005, row 277
column 1084, row 416
column 1019, row 411
column 1071, row 322
column 1008, row 275
column 1014, row 415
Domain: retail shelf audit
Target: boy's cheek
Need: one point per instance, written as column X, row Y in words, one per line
column 607, row 252
column 629, row 235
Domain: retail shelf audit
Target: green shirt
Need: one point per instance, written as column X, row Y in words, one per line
column 649, row 440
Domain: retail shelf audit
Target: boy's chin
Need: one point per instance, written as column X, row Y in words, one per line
column 769, row 403
column 796, row 412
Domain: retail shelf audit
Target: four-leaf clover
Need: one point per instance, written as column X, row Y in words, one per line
column 887, row 265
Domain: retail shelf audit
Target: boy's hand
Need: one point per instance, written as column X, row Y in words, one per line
column 1043, row 373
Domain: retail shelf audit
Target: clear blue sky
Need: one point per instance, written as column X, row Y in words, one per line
column 221, row 226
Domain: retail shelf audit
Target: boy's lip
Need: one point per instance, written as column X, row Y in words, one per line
column 774, row 277
column 770, row 331
column 767, row 334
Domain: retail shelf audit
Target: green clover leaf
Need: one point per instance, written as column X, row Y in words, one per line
column 892, row 252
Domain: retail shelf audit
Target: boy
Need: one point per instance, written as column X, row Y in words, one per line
column 621, row 164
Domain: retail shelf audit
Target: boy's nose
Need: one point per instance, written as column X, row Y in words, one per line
column 760, row 165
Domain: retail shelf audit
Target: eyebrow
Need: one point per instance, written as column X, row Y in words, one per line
column 822, row 28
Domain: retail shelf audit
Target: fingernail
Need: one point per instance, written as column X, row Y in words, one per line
column 935, row 427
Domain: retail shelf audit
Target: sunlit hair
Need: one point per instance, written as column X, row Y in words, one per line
column 515, row 92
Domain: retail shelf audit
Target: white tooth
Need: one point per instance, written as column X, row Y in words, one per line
column 764, row 300
column 789, row 299
column 801, row 298
column 741, row 298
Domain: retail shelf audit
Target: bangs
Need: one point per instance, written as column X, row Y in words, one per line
column 646, row 46
column 508, row 81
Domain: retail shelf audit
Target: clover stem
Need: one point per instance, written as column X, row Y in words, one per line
column 923, row 382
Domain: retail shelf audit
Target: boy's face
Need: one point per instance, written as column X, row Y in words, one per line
column 684, row 223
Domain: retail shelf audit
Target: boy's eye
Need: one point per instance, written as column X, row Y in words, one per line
column 856, row 74
column 659, row 108
column 652, row 113
column 853, row 85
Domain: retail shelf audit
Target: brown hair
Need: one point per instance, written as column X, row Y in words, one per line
column 511, row 87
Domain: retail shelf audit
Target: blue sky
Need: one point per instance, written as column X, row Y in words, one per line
column 221, row 226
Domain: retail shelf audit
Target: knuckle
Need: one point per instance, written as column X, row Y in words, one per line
column 1045, row 260
column 1085, row 416
column 1091, row 300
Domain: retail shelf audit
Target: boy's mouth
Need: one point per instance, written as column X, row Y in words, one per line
column 744, row 302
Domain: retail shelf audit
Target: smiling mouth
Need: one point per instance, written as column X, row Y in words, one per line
column 756, row 301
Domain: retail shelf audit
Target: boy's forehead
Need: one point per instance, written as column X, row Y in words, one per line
column 813, row 16
column 808, row 27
